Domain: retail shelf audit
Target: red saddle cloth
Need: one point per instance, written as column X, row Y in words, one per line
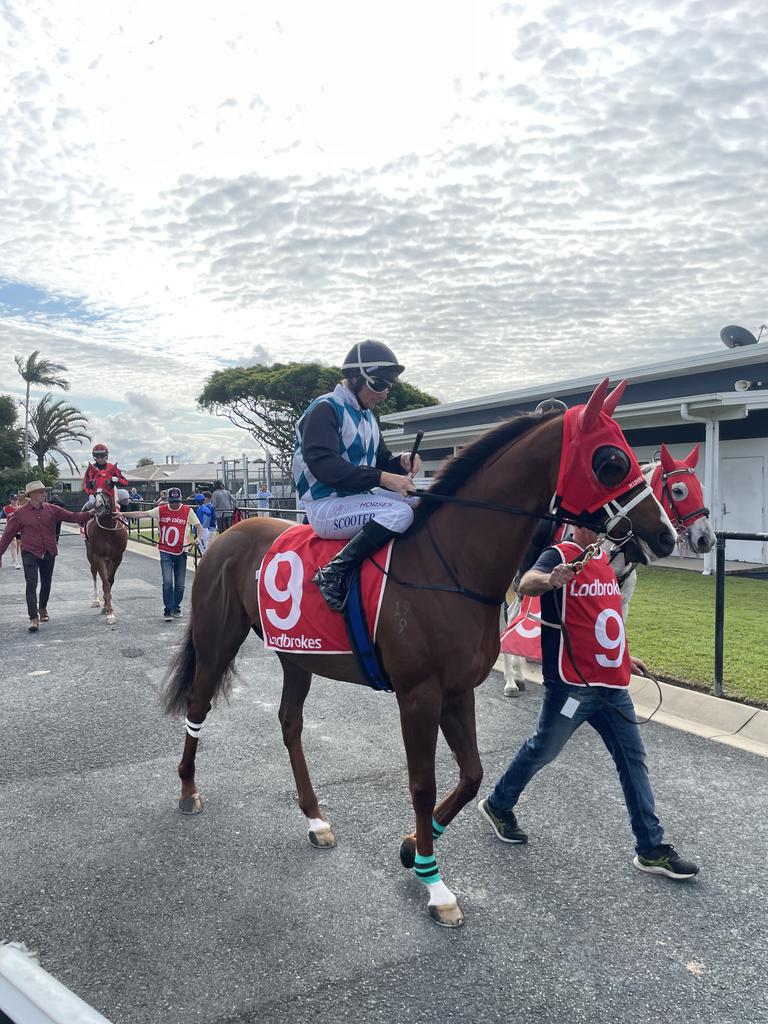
column 294, row 616
column 523, row 634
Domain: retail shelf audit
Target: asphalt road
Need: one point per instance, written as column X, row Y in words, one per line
column 231, row 917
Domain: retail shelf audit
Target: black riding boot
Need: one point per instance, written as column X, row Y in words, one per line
column 332, row 578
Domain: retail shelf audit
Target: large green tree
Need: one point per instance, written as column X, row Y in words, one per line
column 11, row 435
column 52, row 425
column 267, row 401
column 40, row 373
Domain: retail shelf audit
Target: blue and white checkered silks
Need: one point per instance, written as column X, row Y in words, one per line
column 359, row 439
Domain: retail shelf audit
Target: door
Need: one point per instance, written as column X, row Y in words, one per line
column 743, row 504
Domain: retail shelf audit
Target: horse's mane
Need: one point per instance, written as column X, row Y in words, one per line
column 458, row 468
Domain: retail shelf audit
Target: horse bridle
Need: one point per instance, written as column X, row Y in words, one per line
column 689, row 517
column 110, row 512
column 602, row 522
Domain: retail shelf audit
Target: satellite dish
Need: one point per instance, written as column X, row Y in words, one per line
column 737, row 337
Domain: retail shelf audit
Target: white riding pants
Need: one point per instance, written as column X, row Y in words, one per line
column 342, row 518
column 122, row 497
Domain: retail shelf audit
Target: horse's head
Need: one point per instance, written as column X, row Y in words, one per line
column 679, row 490
column 600, row 480
column 104, row 505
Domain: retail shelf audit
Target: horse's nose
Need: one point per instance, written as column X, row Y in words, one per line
column 666, row 542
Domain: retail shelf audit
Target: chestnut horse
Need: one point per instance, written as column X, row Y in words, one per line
column 106, row 536
column 436, row 645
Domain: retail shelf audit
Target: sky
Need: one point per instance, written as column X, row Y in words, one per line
column 505, row 193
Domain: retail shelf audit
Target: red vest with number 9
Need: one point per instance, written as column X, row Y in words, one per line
column 173, row 528
column 591, row 611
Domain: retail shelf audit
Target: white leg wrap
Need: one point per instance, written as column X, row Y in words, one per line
column 316, row 824
column 439, row 894
column 192, row 729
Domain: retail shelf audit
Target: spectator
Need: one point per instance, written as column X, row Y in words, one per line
column 224, row 505
column 176, row 521
column 35, row 522
column 8, row 510
column 263, row 498
column 135, row 497
column 207, row 516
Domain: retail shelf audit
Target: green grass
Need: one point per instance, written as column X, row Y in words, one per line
column 671, row 626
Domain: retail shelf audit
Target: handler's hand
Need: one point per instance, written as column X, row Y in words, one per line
column 394, row 482
column 639, row 667
column 560, row 575
column 405, row 462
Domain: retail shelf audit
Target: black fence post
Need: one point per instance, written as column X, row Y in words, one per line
column 719, row 613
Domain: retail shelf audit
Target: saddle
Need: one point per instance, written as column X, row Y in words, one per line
column 294, row 615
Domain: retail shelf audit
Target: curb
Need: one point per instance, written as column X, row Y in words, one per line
column 723, row 721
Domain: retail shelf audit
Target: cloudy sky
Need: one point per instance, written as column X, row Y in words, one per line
column 505, row 193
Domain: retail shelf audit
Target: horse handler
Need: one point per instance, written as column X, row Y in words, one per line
column 586, row 667
column 36, row 523
column 176, row 522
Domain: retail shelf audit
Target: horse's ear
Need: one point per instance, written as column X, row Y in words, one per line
column 667, row 459
column 692, row 458
column 590, row 414
column 609, row 405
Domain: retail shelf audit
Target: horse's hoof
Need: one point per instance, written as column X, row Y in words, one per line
column 96, row 604
column 447, row 915
column 322, row 838
column 408, row 852
column 191, row 804
column 111, row 620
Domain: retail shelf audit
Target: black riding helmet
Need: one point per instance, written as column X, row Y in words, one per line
column 373, row 362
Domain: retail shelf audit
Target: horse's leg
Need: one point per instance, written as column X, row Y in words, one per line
column 420, row 712
column 95, row 603
column 296, row 683
column 213, row 652
column 108, row 576
column 457, row 723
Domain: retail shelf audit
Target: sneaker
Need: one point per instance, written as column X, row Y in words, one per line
column 167, row 615
column 177, row 613
column 17, row 565
column 665, row 860
column 503, row 823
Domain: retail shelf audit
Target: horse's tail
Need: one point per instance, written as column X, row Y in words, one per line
column 226, row 626
column 181, row 676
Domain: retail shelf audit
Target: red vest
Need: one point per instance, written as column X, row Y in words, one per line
column 591, row 611
column 173, row 528
column 101, row 479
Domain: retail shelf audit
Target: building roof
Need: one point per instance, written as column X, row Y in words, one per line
column 725, row 360
column 174, row 471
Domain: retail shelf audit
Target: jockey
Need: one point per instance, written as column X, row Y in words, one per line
column 352, row 486
column 104, row 475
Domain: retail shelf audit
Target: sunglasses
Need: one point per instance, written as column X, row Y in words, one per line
column 378, row 384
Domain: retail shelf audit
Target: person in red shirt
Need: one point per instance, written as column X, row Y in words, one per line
column 586, row 668
column 8, row 510
column 103, row 475
column 36, row 523
column 175, row 521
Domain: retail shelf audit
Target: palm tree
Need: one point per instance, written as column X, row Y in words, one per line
column 41, row 372
column 53, row 424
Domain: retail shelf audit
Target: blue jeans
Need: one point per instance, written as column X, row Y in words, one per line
column 174, row 570
column 622, row 738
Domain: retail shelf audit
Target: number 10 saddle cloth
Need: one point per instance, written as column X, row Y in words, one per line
column 296, row 619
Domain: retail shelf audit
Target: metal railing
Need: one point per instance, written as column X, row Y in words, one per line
column 722, row 537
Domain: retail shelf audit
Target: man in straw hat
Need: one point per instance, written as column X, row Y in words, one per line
column 35, row 523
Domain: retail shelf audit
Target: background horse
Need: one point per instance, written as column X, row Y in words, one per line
column 106, row 536
column 675, row 484
column 436, row 645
